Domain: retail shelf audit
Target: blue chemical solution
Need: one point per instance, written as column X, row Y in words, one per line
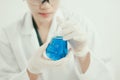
column 57, row 48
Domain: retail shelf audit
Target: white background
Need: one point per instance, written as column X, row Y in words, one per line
column 105, row 14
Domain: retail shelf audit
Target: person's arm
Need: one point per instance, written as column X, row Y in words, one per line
column 84, row 62
column 33, row 76
column 91, row 67
column 81, row 37
column 9, row 69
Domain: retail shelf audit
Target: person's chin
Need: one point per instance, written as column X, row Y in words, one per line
column 45, row 17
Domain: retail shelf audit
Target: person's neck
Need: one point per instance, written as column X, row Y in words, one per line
column 42, row 25
column 43, row 29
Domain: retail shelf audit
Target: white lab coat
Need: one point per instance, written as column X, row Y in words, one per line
column 18, row 42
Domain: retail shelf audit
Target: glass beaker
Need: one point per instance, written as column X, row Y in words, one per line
column 57, row 48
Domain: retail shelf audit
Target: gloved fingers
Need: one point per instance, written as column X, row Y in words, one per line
column 67, row 31
column 83, row 52
column 67, row 24
column 43, row 47
column 64, row 23
column 82, row 37
column 60, row 20
column 69, row 36
column 38, row 54
column 79, row 40
column 38, row 63
column 58, row 63
column 77, row 46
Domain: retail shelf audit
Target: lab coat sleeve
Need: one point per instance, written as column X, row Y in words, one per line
column 97, row 69
column 9, row 69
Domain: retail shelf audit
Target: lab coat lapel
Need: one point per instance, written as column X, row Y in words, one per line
column 15, row 34
column 29, row 33
column 15, row 42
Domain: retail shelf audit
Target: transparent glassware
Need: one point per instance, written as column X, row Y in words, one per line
column 57, row 48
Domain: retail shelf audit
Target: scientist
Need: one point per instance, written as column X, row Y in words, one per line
column 23, row 43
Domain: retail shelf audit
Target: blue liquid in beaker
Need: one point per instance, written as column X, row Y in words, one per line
column 57, row 48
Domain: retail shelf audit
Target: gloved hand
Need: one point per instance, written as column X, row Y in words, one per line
column 77, row 39
column 39, row 62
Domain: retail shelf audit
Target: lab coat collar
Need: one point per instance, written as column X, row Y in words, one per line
column 28, row 29
column 27, row 24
